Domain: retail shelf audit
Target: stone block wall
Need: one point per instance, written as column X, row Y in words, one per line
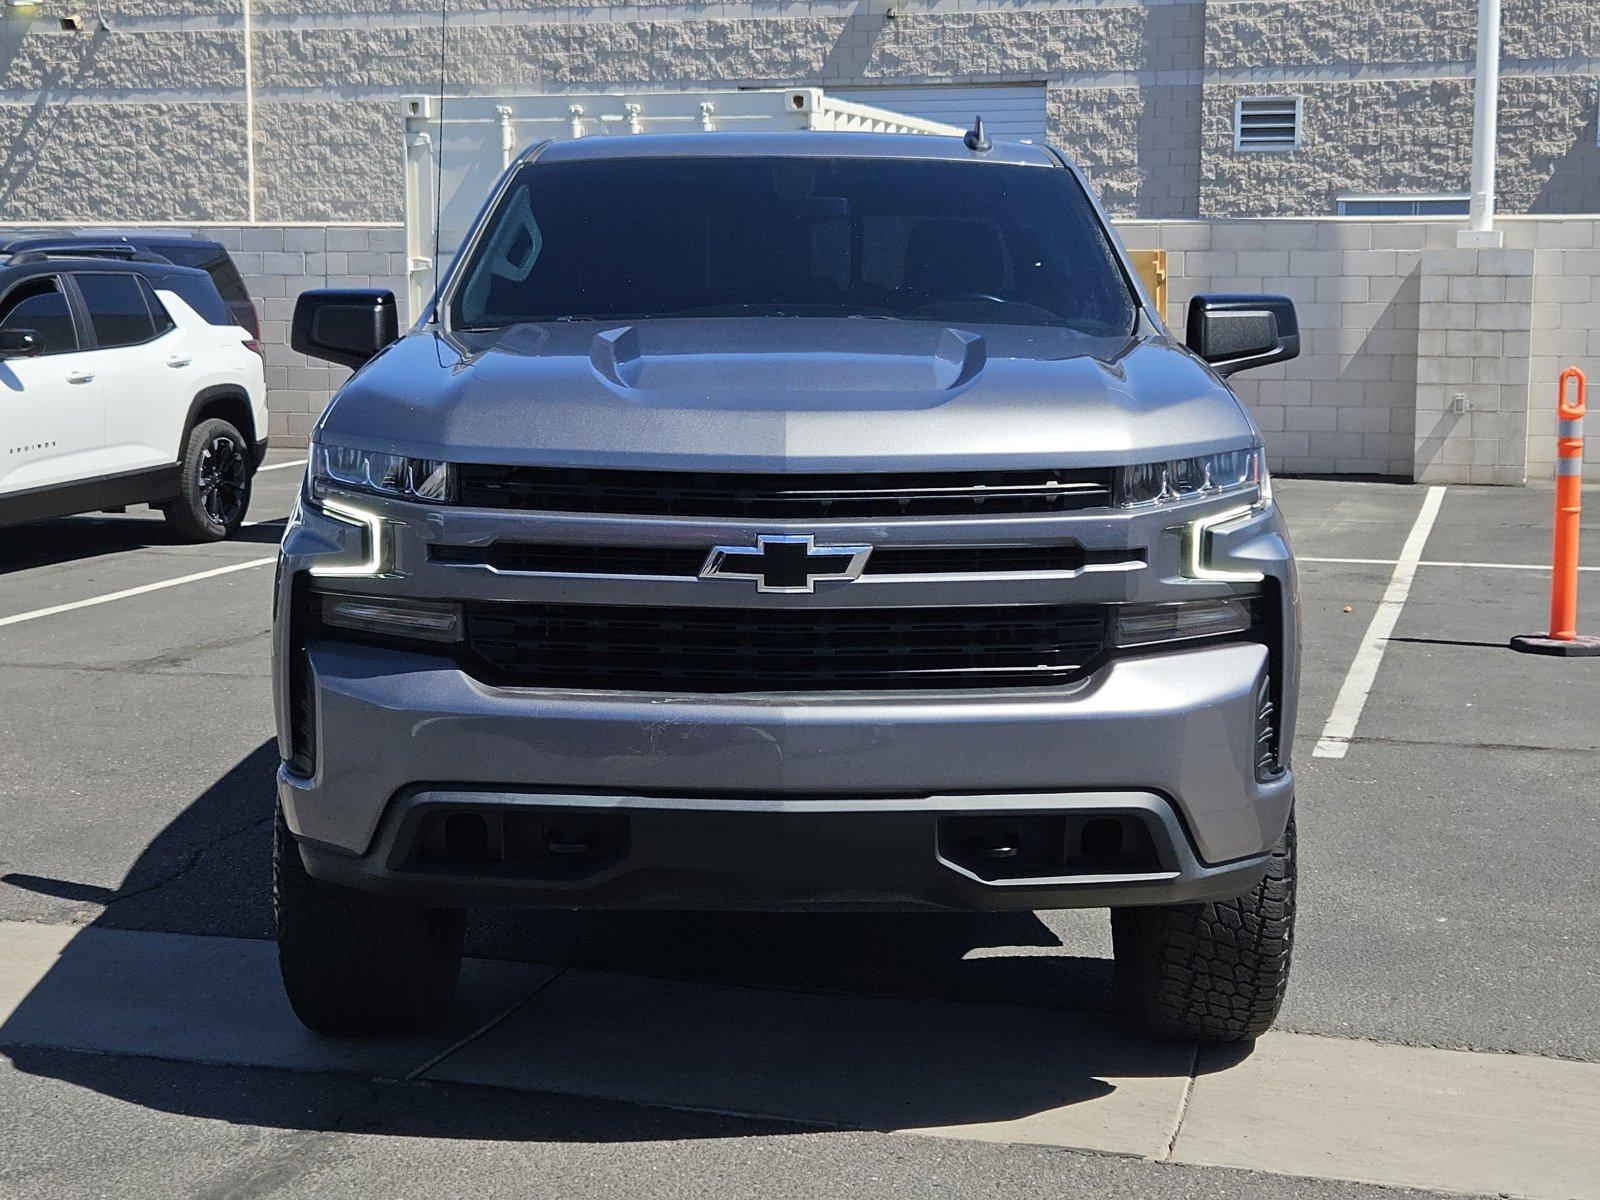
column 153, row 115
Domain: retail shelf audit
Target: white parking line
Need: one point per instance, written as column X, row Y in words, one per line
column 1432, row 562
column 1352, row 698
column 299, row 462
column 37, row 613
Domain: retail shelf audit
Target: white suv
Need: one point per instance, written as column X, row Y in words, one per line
column 126, row 382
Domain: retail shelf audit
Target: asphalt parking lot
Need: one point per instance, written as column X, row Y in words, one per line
column 1450, row 899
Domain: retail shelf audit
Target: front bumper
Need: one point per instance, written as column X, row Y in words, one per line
column 744, row 854
column 833, row 802
column 752, row 801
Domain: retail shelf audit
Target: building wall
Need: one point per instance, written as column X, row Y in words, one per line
column 196, row 111
column 1395, row 322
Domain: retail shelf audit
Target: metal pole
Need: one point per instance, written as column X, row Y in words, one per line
column 1485, row 115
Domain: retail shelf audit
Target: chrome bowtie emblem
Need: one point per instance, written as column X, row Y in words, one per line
column 784, row 563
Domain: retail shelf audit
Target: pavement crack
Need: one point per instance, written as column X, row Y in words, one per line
column 1379, row 740
column 418, row 1072
column 190, row 861
column 1183, row 1106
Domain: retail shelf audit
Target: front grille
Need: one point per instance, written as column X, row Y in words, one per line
column 681, row 561
column 775, row 496
column 745, row 650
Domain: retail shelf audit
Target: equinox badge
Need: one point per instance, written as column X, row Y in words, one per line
column 785, row 563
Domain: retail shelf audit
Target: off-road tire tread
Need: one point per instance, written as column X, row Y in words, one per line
column 1212, row 972
column 356, row 965
column 184, row 512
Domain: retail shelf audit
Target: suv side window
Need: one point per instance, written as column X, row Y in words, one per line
column 117, row 308
column 40, row 305
column 200, row 294
column 158, row 311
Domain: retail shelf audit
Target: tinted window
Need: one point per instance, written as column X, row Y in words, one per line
column 39, row 305
column 748, row 236
column 158, row 311
column 200, row 295
column 213, row 260
column 116, row 309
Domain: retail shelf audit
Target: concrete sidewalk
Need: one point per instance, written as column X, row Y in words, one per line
column 1298, row 1105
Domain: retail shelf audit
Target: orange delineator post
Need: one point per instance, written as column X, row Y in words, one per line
column 1563, row 638
column 1569, row 504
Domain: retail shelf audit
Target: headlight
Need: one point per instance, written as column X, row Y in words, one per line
column 1193, row 478
column 345, row 468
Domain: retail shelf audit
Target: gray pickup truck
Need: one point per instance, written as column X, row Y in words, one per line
column 796, row 521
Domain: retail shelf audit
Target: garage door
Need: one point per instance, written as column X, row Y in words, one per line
column 1011, row 111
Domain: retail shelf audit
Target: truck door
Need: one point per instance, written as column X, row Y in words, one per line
column 52, row 411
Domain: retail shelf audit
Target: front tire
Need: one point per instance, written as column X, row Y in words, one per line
column 358, row 965
column 214, row 483
column 1212, row 972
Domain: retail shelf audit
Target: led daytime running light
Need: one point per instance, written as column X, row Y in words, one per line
column 372, row 523
column 1196, row 546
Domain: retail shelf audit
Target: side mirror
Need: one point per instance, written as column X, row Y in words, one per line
column 20, row 343
column 1235, row 333
column 344, row 325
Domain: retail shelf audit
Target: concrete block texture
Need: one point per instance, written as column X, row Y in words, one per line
column 1142, row 91
column 1139, row 145
column 123, row 162
column 329, row 161
column 1359, row 138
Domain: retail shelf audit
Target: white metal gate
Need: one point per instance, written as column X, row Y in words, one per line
column 1011, row 111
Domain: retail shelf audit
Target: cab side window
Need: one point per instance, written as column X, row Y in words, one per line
column 117, row 309
column 40, row 305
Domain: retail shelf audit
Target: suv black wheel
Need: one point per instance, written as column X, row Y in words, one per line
column 214, row 483
column 356, row 965
column 1213, row 972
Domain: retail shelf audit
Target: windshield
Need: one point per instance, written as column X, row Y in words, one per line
column 628, row 239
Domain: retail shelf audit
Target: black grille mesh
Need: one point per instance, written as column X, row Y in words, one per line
column 741, row 650
column 764, row 496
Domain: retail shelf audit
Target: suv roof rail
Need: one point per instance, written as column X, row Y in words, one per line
column 127, row 253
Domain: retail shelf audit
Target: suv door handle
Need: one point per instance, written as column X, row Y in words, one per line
column 80, row 376
column 179, row 360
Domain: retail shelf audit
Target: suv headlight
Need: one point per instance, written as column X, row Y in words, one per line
column 346, row 469
column 1231, row 471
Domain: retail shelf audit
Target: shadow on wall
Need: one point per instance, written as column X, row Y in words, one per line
column 1392, row 338
column 35, row 129
column 1572, row 184
column 891, row 1062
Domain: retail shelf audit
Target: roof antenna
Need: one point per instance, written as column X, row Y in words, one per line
column 977, row 138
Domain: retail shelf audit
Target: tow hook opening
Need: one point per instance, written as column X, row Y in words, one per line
column 529, row 843
column 1049, row 846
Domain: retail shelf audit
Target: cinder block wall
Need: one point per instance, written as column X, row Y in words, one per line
column 1388, row 339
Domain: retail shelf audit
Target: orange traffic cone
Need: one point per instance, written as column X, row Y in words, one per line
column 1564, row 638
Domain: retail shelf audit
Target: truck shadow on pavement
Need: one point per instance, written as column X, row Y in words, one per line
column 80, row 539
column 858, row 1021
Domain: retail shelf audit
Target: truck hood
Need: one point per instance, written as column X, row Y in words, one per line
column 786, row 394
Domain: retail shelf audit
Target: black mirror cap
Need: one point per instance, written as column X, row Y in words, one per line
column 1237, row 332
column 20, row 343
column 348, row 326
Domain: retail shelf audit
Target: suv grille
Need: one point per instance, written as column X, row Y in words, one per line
column 784, row 496
column 742, row 650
